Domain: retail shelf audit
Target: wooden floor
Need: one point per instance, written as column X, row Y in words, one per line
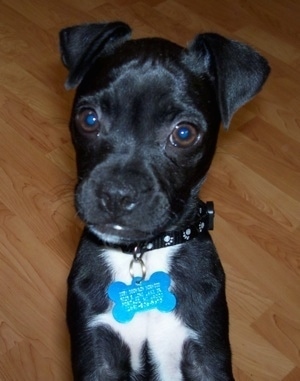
column 254, row 181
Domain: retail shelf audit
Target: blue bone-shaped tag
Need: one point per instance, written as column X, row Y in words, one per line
column 141, row 296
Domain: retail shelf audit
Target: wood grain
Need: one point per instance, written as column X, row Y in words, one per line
column 254, row 181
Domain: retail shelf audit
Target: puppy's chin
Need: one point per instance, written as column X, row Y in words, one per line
column 116, row 234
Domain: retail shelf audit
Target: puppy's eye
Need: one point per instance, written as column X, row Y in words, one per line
column 88, row 120
column 184, row 135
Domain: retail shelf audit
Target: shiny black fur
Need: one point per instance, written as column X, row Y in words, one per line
column 134, row 182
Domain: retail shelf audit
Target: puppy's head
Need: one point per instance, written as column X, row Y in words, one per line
column 145, row 122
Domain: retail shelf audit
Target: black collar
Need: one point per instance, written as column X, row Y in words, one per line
column 203, row 222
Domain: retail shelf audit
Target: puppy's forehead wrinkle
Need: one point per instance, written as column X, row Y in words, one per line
column 140, row 80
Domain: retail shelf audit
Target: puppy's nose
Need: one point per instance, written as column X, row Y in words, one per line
column 117, row 200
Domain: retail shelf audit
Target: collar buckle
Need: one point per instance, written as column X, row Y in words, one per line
column 210, row 215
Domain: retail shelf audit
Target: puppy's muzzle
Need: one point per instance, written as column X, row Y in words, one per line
column 121, row 201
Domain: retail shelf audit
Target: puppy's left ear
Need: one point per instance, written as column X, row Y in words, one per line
column 237, row 71
column 81, row 45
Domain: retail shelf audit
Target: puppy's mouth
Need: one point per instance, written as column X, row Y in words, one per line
column 118, row 234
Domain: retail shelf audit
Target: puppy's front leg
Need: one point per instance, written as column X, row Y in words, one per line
column 200, row 364
column 98, row 354
column 199, row 283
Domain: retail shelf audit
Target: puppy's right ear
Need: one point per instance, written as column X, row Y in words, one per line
column 81, row 45
column 237, row 71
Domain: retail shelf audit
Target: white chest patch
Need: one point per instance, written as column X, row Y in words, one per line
column 164, row 332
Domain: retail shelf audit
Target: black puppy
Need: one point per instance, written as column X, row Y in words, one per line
column 146, row 296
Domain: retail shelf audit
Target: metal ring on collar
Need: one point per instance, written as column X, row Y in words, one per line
column 137, row 258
